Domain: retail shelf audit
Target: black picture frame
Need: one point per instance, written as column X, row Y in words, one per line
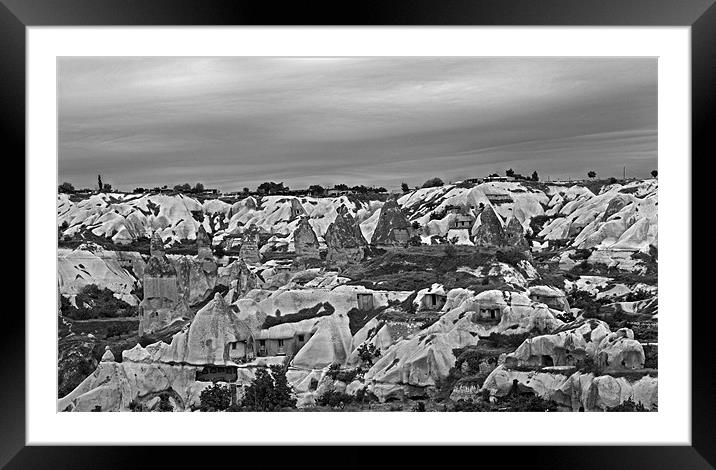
column 700, row 15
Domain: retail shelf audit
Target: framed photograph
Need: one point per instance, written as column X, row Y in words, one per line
column 417, row 224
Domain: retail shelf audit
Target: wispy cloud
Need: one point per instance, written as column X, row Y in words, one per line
column 235, row 122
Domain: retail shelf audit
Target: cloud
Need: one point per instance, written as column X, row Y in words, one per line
column 235, row 122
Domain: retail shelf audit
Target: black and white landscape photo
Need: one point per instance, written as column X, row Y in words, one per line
column 412, row 234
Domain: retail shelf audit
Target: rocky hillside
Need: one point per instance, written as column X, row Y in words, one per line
column 619, row 217
column 548, row 300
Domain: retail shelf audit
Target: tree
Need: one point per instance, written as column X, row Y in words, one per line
column 316, row 189
column 405, row 187
column 269, row 187
column 199, row 188
column 182, row 188
column 535, row 176
column 592, row 174
column 164, row 403
column 246, row 190
column 66, row 188
column 99, row 182
column 268, row 391
column 433, row 183
column 341, row 187
column 654, row 173
column 510, row 172
column 107, row 187
column 215, row 398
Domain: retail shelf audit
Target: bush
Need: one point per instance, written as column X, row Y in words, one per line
column 365, row 396
column 335, row 399
column 636, row 295
column 511, row 257
column 214, row 398
column 580, row 254
column 629, row 406
column 135, row 406
column 527, row 402
column 512, row 341
column 588, row 365
column 268, row 391
column 470, row 356
column 357, row 318
column 367, row 352
column 567, row 317
column 588, row 303
column 651, row 357
column 472, row 406
column 93, row 302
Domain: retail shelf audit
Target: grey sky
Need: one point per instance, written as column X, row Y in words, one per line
column 235, row 122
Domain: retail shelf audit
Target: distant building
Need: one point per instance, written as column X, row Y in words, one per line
column 285, row 339
column 489, row 179
column 333, row 192
column 473, row 180
column 433, row 301
column 551, row 296
column 462, row 217
column 487, row 311
column 365, row 301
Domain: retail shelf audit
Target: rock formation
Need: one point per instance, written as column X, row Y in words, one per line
column 204, row 256
column 515, row 234
column 162, row 303
column 551, row 296
column 570, row 347
column 393, row 228
column 418, row 363
column 489, row 233
column 576, row 391
column 619, row 351
column 249, row 251
column 216, row 336
column 329, row 344
column 239, row 278
column 297, row 209
column 108, row 356
column 344, row 240
column 118, row 271
column 305, row 240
